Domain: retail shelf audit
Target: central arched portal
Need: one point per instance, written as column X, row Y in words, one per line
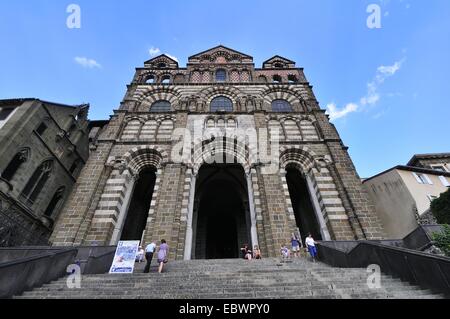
column 221, row 219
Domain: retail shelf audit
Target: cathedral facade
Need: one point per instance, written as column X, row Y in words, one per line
column 214, row 156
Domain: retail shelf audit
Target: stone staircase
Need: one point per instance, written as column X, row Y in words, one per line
column 234, row 279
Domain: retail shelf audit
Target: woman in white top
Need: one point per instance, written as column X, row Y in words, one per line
column 311, row 244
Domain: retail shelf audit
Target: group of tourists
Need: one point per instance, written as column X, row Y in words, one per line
column 162, row 253
column 249, row 254
column 297, row 246
column 296, row 249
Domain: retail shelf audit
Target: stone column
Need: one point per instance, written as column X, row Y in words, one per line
column 188, row 245
column 124, row 210
column 251, row 203
column 323, row 226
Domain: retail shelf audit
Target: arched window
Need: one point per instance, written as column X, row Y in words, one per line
column 151, row 79
column 161, row 106
column 37, row 182
column 221, row 75
column 221, row 104
column 12, row 168
column 281, row 106
column 231, row 123
column 165, row 79
column 162, row 65
column 210, row 123
column 55, row 203
column 292, row 79
column 276, row 79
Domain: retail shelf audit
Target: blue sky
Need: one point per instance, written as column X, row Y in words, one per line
column 389, row 85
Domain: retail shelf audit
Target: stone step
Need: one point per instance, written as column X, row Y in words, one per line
column 231, row 279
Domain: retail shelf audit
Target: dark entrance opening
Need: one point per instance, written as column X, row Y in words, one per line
column 304, row 212
column 137, row 216
column 221, row 214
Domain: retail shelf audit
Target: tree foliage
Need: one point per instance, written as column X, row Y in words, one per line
column 442, row 240
column 440, row 208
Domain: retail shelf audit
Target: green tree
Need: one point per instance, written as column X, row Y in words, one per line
column 440, row 208
column 442, row 240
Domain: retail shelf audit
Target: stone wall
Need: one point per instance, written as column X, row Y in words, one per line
column 137, row 138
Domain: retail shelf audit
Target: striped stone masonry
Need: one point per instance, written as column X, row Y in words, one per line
column 138, row 138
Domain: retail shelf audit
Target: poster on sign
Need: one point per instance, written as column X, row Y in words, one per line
column 125, row 257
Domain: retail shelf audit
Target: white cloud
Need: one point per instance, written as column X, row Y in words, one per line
column 154, row 51
column 336, row 113
column 372, row 96
column 390, row 69
column 172, row 57
column 87, row 63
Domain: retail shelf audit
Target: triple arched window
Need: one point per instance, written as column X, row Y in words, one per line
column 221, row 104
column 281, row 106
column 161, row 106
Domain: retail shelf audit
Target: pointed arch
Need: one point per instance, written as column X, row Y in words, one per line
column 37, row 181
column 21, row 157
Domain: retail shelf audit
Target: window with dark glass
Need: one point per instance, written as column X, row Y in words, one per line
column 150, row 79
column 221, row 75
column 37, row 182
column 165, row 79
column 161, row 106
column 74, row 166
column 55, row 203
column 13, row 166
column 292, row 79
column 276, row 79
column 221, row 104
column 281, row 106
column 41, row 129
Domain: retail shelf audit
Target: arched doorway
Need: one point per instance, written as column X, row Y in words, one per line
column 139, row 206
column 305, row 215
column 221, row 219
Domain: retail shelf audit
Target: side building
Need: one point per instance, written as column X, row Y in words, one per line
column 403, row 194
column 43, row 147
